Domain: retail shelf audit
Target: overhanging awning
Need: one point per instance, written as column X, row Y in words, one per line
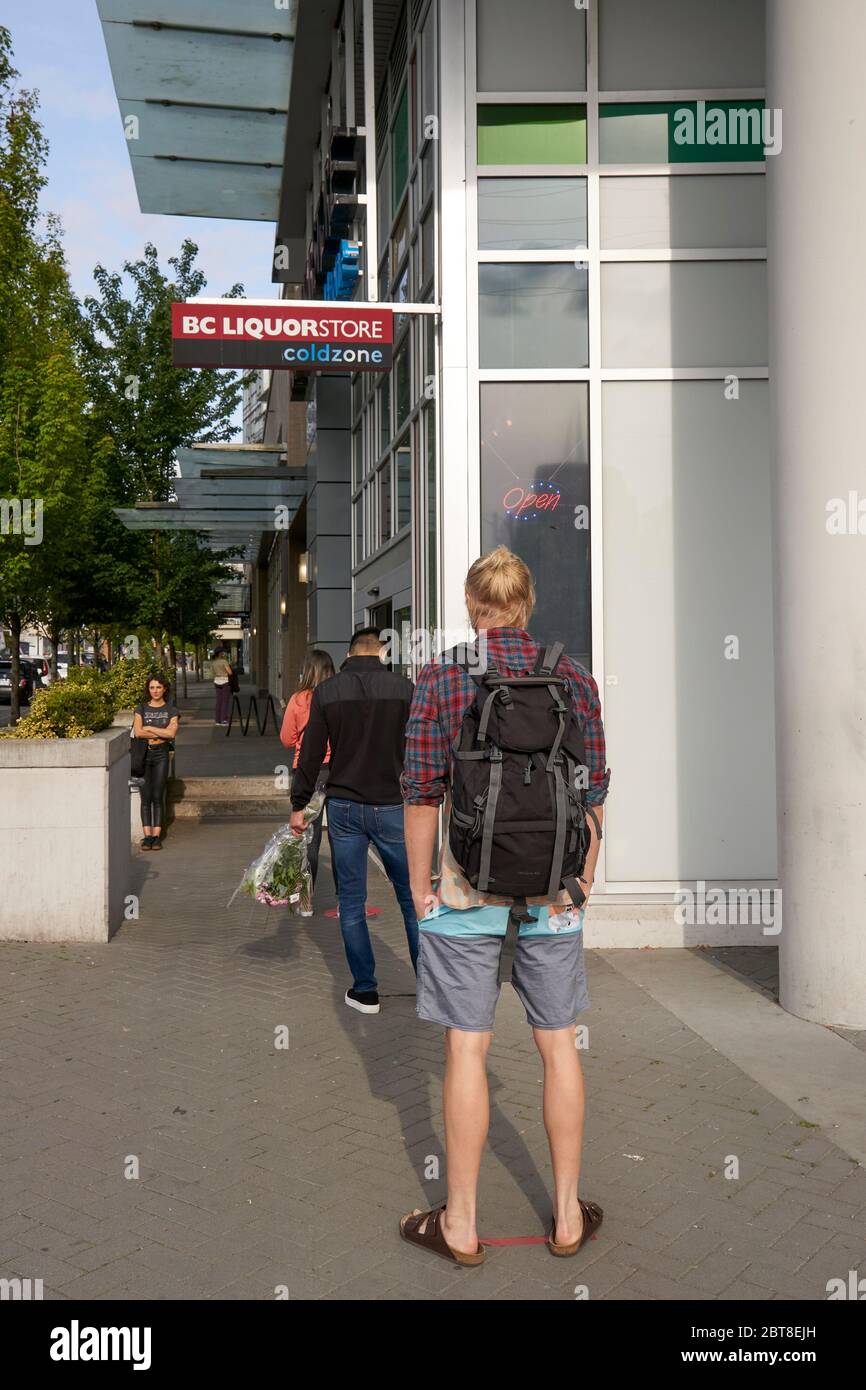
column 203, row 89
column 232, row 493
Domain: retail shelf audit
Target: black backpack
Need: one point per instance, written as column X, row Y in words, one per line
column 518, row 825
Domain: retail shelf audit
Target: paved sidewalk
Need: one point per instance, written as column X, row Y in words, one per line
column 262, row 1168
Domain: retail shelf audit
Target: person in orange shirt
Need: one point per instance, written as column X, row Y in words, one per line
column 317, row 667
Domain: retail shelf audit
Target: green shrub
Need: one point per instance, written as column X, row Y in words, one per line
column 86, row 701
column 66, row 709
column 128, row 680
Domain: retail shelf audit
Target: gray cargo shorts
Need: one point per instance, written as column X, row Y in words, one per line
column 458, row 985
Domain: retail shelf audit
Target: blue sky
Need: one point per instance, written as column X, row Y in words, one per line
column 59, row 50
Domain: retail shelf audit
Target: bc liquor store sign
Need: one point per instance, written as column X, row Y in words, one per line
column 295, row 334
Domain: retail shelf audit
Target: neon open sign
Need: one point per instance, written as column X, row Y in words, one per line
column 526, row 504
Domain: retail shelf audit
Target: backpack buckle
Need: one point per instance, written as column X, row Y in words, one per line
column 495, row 754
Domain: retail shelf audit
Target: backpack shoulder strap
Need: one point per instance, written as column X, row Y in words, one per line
column 548, row 659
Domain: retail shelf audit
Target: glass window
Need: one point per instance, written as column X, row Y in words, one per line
column 533, row 315
column 427, row 248
column 684, row 314
column 400, row 240
column 357, row 458
column 402, row 624
column 429, row 331
column 385, row 279
column 532, row 134
column 531, row 48
column 681, row 132
column 385, row 502
column 428, row 170
column 402, row 387
column 357, row 393
column 400, row 147
column 432, row 590
column 685, row 472
column 652, row 212
column 358, row 514
column 531, row 214
column 383, row 202
column 680, row 44
column 384, row 399
column 534, row 478
column 429, row 101
column 404, row 486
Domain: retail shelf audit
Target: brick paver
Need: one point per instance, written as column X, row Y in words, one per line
column 262, row 1168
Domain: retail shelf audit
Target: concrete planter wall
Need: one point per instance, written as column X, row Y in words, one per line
column 64, row 837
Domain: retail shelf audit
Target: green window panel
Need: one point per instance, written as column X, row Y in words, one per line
column 681, row 132
column 542, row 134
column 400, row 148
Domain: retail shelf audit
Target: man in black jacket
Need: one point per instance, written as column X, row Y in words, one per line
column 361, row 712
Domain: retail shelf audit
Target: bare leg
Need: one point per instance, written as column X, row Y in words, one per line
column 467, row 1116
column 563, row 1120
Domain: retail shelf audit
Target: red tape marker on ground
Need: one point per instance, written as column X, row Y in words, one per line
column 371, row 912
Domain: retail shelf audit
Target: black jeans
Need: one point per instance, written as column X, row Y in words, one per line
column 152, row 789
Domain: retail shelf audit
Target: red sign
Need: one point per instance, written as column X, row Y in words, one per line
column 294, row 334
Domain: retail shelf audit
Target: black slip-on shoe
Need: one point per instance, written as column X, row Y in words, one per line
column 366, row 1003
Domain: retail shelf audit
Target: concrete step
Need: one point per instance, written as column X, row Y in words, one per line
column 215, row 788
column 232, row 808
column 222, row 798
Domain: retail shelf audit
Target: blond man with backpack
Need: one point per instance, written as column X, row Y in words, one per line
column 510, row 732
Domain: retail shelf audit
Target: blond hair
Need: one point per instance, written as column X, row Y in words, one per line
column 499, row 590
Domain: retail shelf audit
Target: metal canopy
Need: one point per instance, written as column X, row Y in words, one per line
column 229, row 492
column 203, row 89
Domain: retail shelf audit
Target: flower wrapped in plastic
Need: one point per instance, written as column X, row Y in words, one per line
column 281, row 876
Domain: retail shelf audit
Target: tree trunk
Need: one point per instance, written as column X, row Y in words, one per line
column 183, row 662
column 15, row 674
column 54, row 639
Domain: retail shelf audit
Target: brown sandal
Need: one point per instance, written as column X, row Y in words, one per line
column 432, row 1239
column 592, row 1219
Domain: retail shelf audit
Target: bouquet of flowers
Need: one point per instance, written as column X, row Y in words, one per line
column 281, row 877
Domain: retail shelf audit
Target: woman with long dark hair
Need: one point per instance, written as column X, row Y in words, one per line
column 156, row 719
column 317, row 667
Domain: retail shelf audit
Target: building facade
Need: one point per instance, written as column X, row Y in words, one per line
column 584, row 203
column 598, row 236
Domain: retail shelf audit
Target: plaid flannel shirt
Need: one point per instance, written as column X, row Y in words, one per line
column 443, row 693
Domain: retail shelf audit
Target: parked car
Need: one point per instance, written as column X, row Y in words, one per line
column 41, row 668
column 25, row 682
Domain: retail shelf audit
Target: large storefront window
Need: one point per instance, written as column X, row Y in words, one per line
column 531, row 214
column 535, row 498
column 533, row 315
column 531, row 48
column 526, row 134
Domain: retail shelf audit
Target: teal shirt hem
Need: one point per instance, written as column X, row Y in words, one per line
column 492, row 921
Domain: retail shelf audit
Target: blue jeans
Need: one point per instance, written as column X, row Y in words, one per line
column 353, row 826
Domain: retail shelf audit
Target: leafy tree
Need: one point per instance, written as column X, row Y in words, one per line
column 45, row 442
column 149, row 407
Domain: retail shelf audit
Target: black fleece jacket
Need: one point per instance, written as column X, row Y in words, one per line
column 362, row 713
